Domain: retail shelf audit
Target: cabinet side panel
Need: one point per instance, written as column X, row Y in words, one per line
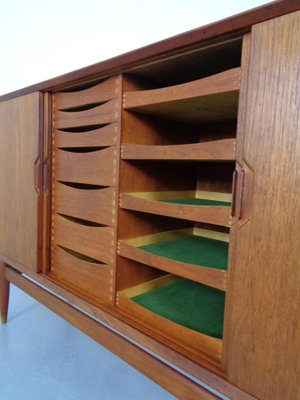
column 20, row 176
column 262, row 336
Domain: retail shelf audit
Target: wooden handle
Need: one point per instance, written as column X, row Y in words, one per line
column 241, row 192
column 37, row 175
column 46, row 177
column 234, row 185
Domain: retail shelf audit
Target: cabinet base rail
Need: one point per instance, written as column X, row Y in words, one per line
column 179, row 385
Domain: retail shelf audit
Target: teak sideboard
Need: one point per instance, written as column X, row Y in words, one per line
column 152, row 200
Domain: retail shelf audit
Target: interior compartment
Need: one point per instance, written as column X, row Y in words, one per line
column 176, row 169
column 194, row 63
column 194, row 205
column 212, row 98
column 194, row 253
column 181, row 309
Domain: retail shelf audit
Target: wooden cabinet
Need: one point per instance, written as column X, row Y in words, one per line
column 171, row 210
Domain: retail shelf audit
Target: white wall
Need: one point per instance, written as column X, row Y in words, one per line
column 40, row 39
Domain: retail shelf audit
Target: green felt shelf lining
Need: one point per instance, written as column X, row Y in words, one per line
column 196, row 250
column 199, row 202
column 188, row 303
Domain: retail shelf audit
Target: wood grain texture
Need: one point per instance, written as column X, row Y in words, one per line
column 203, row 371
column 20, row 178
column 227, row 81
column 99, row 115
column 91, row 278
column 207, row 99
column 172, row 380
column 45, row 218
column 93, row 241
column 216, row 215
column 95, row 167
column 106, row 136
column 4, row 294
column 100, row 92
column 218, row 150
column 94, row 205
column 209, row 276
column 196, row 342
column 262, row 335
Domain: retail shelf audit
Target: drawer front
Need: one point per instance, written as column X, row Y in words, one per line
column 96, row 205
column 92, row 278
column 97, row 242
column 96, row 167
column 100, row 92
column 102, row 114
column 106, row 136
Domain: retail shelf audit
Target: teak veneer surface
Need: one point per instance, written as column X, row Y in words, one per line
column 93, row 205
column 98, row 115
column 100, row 92
column 212, row 98
column 92, row 278
column 263, row 327
column 217, row 215
column 207, row 271
column 104, row 136
column 20, row 178
column 209, row 276
column 93, row 167
column 223, row 149
column 93, row 241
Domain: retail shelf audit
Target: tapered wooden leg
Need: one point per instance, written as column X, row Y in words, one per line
column 4, row 294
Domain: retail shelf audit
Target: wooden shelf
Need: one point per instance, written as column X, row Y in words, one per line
column 212, row 98
column 217, row 150
column 198, row 206
column 174, row 252
column 133, row 302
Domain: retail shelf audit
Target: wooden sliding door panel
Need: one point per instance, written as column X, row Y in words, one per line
column 20, row 179
column 262, row 335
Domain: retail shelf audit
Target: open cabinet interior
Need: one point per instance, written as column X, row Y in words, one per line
column 176, row 174
column 143, row 163
column 151, row 201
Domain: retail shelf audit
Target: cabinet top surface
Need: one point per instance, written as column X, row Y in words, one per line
column 223, row 29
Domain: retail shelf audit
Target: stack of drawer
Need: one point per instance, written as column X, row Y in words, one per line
column 84, row 142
